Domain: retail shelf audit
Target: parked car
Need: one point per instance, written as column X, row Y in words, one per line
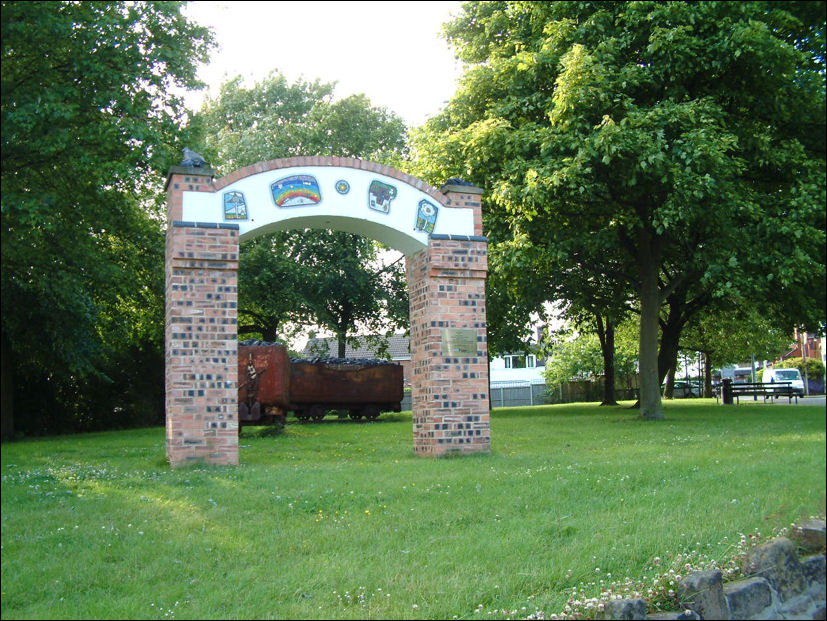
column 793, row 376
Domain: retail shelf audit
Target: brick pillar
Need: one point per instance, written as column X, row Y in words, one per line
column 449, row 351
column 462, row 194
column 201, row 331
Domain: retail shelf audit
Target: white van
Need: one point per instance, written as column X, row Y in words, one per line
column 771, row 376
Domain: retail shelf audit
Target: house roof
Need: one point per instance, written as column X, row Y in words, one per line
column 398, row 348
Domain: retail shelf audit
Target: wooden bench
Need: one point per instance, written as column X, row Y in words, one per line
column 773, row 390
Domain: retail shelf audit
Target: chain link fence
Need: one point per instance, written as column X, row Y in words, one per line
column 519, row 393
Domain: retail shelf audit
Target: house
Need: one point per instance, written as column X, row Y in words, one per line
column 517, row 367
column 807, row 345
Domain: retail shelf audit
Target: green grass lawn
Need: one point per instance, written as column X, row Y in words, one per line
column 340, row 520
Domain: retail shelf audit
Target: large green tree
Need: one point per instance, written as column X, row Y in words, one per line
column 726, row 336
column 685, row 139
column 90, row 123
column 336, row 280
column 575, row 355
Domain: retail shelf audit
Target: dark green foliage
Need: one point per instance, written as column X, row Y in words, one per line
column 675, row 148
column 127, row 391
column 814, row 367
column 90, row 124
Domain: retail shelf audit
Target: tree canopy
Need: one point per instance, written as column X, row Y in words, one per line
column 683, row 140
column 90, row 124
column 574, row 355
column 333, row 279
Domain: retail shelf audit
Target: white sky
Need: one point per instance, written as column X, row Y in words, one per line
column 390, row 51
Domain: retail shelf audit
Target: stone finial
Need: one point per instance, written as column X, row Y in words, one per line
column 193, row 159
column 455, row 184
column 458, row 181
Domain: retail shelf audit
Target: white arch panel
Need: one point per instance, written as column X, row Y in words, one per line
column 339, row 198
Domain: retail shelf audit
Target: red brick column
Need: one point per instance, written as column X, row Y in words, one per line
column 201, row 327
column 446, row 286
column 467, row 196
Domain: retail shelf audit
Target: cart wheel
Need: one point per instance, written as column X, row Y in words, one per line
column 317, row 412
column 302, row 415
column 355, row 414
column 371, row 412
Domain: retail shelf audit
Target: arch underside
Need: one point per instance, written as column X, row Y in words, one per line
column 384, row 234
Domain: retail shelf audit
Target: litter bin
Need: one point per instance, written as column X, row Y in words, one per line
column 726, row 392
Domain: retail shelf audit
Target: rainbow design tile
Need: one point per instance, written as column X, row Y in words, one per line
column 296, row 191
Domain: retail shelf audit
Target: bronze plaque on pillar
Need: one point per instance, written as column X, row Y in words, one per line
column 459, row 342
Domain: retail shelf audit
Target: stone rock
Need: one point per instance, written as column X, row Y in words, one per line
column 778, row 562
column 748, row 598
column 686, row 615
column 625, row 609
column 703, row 592
column 811, row 536
column 815, row 569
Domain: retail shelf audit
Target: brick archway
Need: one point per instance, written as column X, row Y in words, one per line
column 440, row 232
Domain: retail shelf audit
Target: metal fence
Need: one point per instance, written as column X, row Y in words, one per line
column 505, row 394
column 512, row 394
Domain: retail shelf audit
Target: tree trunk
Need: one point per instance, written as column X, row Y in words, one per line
column 606, row 334
column 651, row 406
column 7, row 391
column 342, row 338
column 707, row 374
column 669, row 391
column 270, row 333
column 670, row 336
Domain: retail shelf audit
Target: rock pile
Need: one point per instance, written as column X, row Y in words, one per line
column 779, row 585
column 258, row 343
column 364, row 362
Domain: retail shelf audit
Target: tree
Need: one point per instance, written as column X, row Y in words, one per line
column 812, row 369
column 574, row 355
column 684, row 139
column 90, row 124
column 727, row 335
column 273, row 119
column 333, row 279
column 346, row 289
column 583, row 294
